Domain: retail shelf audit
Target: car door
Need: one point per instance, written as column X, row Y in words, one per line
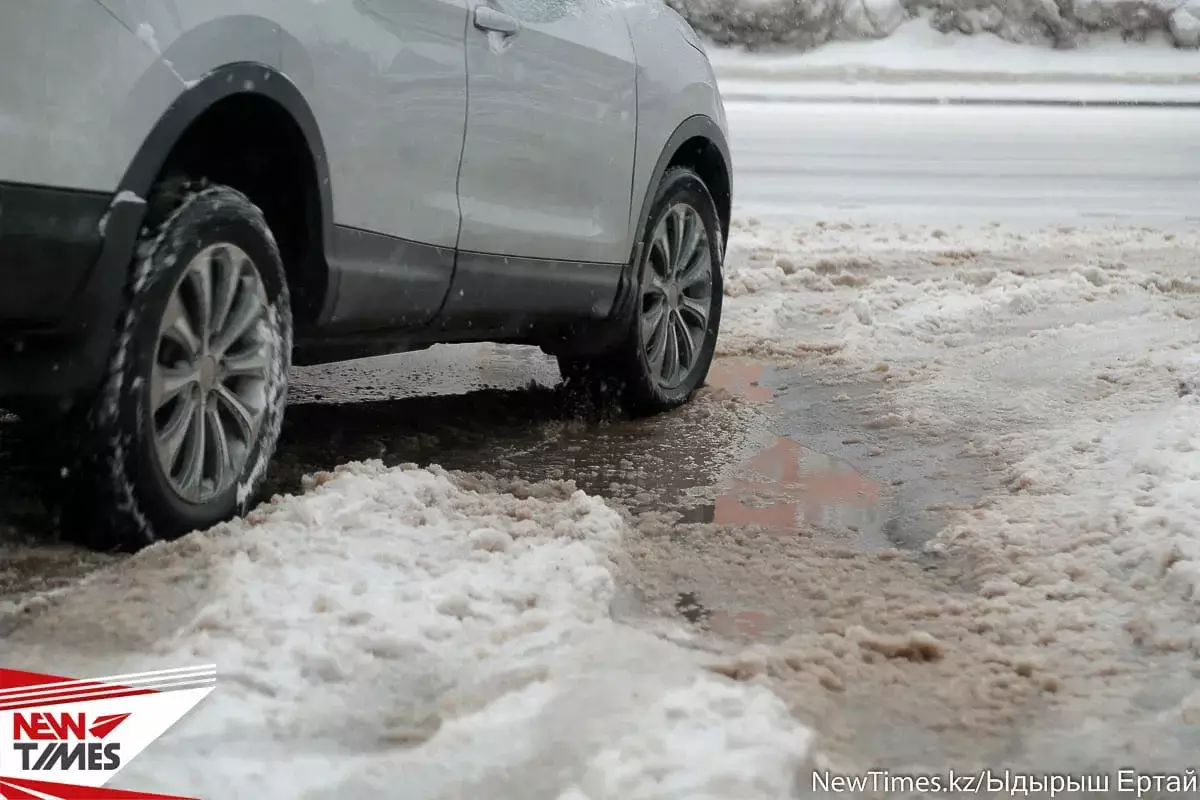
column 387, row 82
column 547, row 161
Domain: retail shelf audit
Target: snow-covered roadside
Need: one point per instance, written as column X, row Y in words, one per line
column 917, row 50
column 1071, row 356
column 946, row 89
column 408, row 627
column 1065, row 25
column 919, row 62
column 880, row 291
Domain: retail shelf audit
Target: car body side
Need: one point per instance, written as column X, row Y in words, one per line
column 360, row 179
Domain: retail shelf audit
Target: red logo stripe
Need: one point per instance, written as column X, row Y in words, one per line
column 68, row 791
column 103, row 693
column 18, row 679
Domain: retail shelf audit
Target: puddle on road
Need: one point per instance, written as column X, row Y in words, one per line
column 787, row 488
column 740, row 378
column 710, row 461
column 782, row 488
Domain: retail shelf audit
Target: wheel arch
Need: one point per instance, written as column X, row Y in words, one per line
column 698, row 142
column 254, row 92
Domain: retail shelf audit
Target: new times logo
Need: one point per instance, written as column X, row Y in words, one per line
column 67, row 737
column 63, row 741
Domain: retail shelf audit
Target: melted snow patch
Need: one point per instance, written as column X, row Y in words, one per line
column 406, row 627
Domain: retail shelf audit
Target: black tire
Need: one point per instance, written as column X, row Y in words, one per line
column 623, row 376
column 118, row 496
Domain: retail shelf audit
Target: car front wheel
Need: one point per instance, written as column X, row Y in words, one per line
column 667, row 348
column 181, row 433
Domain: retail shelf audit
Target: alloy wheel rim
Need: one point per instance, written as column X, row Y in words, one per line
column 208, row 383
column 676, row 295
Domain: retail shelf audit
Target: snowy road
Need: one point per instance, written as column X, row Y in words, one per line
column 940, row 497
column 968, row 164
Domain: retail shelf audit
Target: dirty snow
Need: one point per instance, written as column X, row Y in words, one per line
column 408, row 627
column 1069, row 355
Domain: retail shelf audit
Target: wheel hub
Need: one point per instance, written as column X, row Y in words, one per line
column 208, row 374
column 207, row 392
column 676, row 295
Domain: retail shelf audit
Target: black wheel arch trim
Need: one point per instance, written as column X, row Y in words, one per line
column 245, row 77
column 695, row 126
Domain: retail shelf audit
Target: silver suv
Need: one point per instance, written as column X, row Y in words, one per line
column 196, row 195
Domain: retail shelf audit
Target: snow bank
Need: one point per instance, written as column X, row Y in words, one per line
column 1066, row 356
column 786, row 24
column 409, row 628
column 917, row 52
column 1066, row 360
column 911, row 291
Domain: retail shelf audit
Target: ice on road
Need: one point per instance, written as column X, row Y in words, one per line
column 969, row 164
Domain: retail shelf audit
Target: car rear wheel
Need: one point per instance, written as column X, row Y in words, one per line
column 667, row 348
column 183, row 429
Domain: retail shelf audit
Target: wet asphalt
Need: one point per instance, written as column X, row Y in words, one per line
column 770, row 506
column 763, row 446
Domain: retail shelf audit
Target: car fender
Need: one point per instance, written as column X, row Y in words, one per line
column 219, row 83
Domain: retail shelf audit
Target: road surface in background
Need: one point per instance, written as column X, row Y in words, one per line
column 945, row 164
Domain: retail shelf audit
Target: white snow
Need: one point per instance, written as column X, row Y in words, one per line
column 407, row 628
column 145, row 32
column 918, row 53
column 1184, row 24
column 947, row 89
column 126, row 196
column 872, row 18
column 123, row 197
column 915, row 47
